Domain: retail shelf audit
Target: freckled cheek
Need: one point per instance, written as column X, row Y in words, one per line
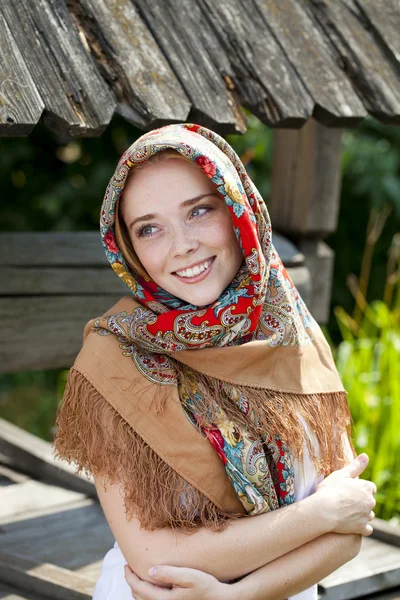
column 153, row 256
column 220, row 233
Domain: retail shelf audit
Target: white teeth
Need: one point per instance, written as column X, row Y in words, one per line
column 193, row 271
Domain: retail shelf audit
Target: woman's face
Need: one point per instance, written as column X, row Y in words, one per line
column 181, row 230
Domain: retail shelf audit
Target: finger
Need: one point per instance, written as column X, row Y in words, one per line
column 180, row 576
column 367, row 531
column 356, row 467
column 371, row 515
column 144, row 590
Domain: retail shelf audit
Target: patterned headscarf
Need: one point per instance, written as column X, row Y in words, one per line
column 260, row 306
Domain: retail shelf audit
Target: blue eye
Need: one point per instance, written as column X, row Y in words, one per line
column 146, row 231
column 200, row 211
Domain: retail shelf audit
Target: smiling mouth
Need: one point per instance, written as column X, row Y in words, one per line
column 195, row 273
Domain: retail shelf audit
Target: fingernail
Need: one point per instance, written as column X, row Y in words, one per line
column 153, row 571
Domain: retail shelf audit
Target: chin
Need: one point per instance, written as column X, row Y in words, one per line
column 201, row 300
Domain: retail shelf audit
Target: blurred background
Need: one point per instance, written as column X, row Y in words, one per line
column 54, row 184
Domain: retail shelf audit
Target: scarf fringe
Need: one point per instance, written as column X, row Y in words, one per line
column 276, row 413
column 92, row 434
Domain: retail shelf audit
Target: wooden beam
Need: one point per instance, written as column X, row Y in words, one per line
column 35, row 457
column 20, row 103
column 335, row 100
column 368, row 62
column 130, row 60
column 77, row 100
column 320, row 261
column 305, row 182
column 50, row 581
column 45, row 332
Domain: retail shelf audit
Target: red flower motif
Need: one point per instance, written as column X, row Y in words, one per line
column 109, row 241
column 206, row 165
column 215, row 437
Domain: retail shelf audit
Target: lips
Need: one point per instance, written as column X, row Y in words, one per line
column 195, row 272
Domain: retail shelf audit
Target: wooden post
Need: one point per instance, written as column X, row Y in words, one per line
column 304, row 200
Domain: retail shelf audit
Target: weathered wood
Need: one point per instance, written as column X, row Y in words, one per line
column 130, row 60
column 376, row 568
column 187, row 49
column 45, row 332
column 288, row 253
column 24, row 500
column 48, row 580
column 73, row 536
column 335, row 101
column 11, row 593
column 305, row 182
column 373, row 73
column 256, row 64
column 320, row 262
column 20, row 103
column 387, row 532
column 77, row 100
column 61, row 249
column 36, row 457
column 61, row 280
column 383, row 19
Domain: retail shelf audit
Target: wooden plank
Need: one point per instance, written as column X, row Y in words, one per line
column 77, row 100
column 148, row 92
column 383, row 19
column 387, row 532
column 26, row 498
column 187, row 50
column 373, row 73
column 11, row 593
column 36, row 457
column 35, row 281
column 40, row 578
column 45, row 249
column 20, row 103
column 54, row 535
column 45, row 332
column 10, row 476
column 288, row 253
column 302, row 279
column 256, row 64
column 335, row 101
column 305, row 183
column 320, row 262
column 376, row 568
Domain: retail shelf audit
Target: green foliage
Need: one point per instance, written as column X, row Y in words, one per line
column 370, row 182
column 30, row 400
column 368, row 362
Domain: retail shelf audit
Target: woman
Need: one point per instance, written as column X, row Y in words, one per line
column 209, row 394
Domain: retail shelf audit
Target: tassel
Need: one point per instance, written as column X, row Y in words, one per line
column 92, row 434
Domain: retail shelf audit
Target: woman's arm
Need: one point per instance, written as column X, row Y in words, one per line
column 343, row 505
column 299, row 569
column 246, row 544
column 285, row 576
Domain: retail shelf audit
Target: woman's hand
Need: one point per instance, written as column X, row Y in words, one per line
column 347, row 501
column 184, row 584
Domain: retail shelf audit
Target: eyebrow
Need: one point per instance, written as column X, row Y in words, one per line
column 189, row 202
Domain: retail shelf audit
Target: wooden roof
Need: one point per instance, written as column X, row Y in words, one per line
column 73, row 63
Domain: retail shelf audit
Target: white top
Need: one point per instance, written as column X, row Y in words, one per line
column 112, row 585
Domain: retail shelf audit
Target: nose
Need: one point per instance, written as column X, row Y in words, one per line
column 184, row 241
